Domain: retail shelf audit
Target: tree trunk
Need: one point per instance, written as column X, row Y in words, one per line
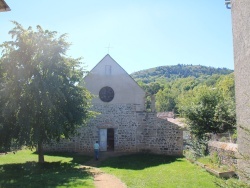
column 40, row 152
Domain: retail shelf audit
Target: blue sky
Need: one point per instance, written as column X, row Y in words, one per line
column 142, row 33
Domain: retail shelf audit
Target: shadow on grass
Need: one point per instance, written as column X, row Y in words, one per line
column 139, row 161
column 76, row 157
column 32, row 174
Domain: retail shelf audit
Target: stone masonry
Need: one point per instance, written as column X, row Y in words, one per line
column 227, row 152
column 122, row 123
column 241, row 41
column 134, row 131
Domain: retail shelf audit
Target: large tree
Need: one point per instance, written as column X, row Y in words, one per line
column 40, row 99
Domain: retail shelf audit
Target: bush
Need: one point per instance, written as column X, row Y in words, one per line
column 190, row 155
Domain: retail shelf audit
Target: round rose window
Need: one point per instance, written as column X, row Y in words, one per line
column 106, row 94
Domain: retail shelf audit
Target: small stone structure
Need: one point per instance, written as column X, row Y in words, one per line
column 227, row 152
column 122, row 124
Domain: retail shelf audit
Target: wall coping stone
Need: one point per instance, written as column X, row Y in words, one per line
column 224, row 145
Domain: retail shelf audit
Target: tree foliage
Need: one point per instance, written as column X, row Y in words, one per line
column 40, row 96
column 165, row 100
column 209, row 109
column 168, row 82
column 173, row 72
column 204, row 95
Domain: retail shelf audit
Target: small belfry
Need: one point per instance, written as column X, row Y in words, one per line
column 122, row 123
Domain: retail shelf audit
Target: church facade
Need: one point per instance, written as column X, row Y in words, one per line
column 121, row 123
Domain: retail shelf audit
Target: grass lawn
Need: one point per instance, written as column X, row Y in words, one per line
column 154, row 171
column 136, row 171
column 22, row 170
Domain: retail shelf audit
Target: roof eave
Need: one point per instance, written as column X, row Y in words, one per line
column 4, row 7
column 5, row 10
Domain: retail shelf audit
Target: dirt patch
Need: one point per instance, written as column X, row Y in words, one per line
column 103, row 180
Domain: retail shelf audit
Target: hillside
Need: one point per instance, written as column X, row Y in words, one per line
column 177, row 71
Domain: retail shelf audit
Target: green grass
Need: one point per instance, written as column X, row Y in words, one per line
column 155, row 171
column 136, row 171
column 60, row 170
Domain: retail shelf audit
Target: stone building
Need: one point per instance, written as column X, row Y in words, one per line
column 241, row 41
column 122, row 124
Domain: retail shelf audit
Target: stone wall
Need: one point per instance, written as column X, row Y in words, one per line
column 165, row 115
column 227, row 152
column 134, row 131
column 158, row 136
column 241, row 40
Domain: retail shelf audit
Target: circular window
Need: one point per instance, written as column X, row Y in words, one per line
column 106, row 94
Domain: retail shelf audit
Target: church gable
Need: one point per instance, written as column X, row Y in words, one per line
column 122, row 123
column 109, row 78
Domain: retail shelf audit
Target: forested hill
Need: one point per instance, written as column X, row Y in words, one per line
column 177, row 71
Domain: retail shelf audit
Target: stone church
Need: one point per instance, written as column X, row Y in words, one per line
column 121, row 123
